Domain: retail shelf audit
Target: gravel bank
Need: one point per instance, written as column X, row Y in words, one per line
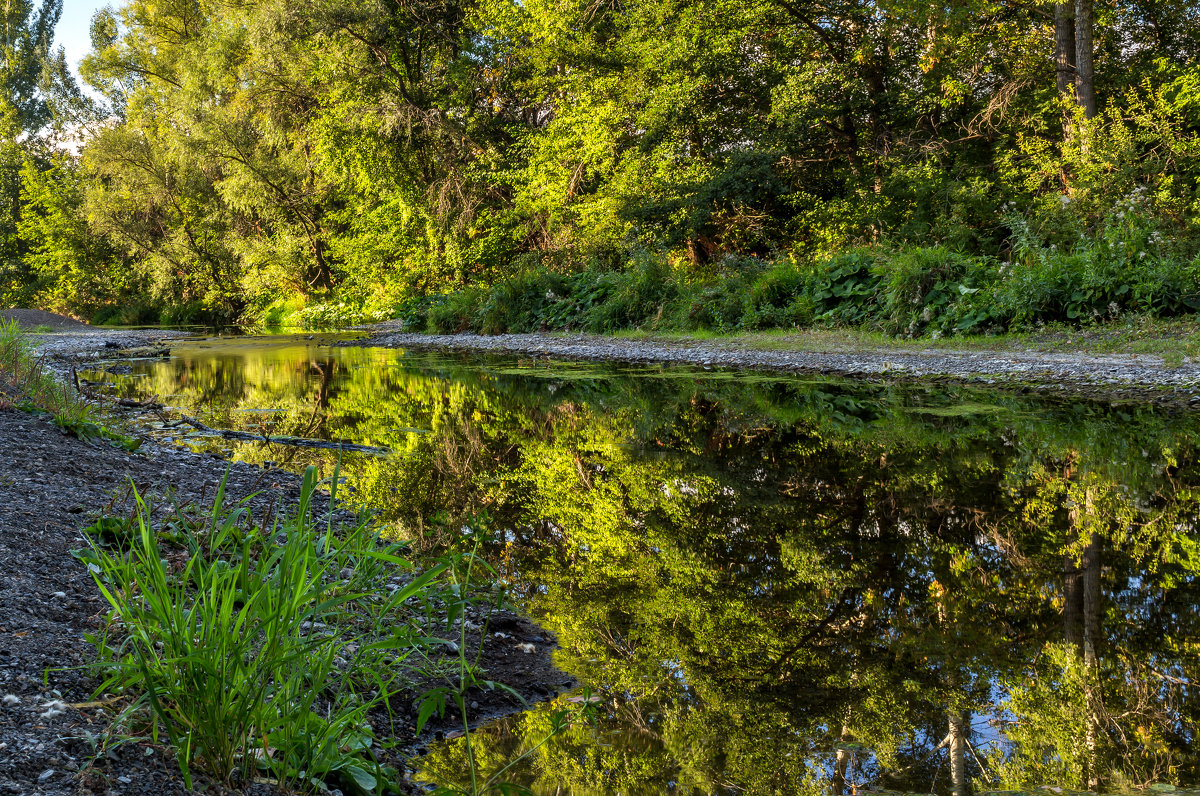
column 1090, row 373
column 30, row 319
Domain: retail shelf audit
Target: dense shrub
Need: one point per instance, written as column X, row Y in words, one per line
column 130, row 314
column 928, row 290
column 1137, row 259
column 1136, row 263
column 845, row 289
column 638, row 296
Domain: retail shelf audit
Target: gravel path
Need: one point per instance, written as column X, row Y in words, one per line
column 1050, row 371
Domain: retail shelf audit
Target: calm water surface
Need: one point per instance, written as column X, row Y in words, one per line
column 776, row 585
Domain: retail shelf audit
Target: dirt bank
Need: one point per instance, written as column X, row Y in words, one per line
column 31, row 319
column 53, row 484
column 1135, row 376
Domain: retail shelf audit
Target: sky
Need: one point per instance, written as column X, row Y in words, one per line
column 72, row 30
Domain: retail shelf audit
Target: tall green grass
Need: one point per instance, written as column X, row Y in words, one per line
column 274, row 650
column 259, row 649
column 26, row 382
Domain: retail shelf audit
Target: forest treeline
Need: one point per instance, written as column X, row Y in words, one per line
column 501, row 165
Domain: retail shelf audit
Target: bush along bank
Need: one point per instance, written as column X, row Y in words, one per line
column 1066, row 276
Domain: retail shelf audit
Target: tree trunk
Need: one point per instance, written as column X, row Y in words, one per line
column 841, row 766
column 958, row 754
column 1085, row 73
column 1064, row 56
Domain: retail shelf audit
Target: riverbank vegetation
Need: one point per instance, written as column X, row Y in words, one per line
column 254, row 655
column 691, row 164
column 27, row 384
column 296, row 648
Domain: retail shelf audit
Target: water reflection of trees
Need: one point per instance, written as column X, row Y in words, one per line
column 794, row 587
column 890, row 599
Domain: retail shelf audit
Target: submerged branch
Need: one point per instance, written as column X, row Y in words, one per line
column 299, row 442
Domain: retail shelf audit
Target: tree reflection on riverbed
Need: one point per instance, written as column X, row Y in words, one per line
column 789, row 585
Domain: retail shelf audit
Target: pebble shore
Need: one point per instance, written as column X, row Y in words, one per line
column 1145, row 376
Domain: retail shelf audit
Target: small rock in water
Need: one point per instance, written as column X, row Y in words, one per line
column 10, row 700
column 45, row 775
column 124, row 780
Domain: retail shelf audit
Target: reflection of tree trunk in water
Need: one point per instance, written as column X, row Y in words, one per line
column 959, row 726
column 1091, row 652
column 1082, row 602
column 326, row 371
column 957, row 738
column 317, row 418
column 841, row 766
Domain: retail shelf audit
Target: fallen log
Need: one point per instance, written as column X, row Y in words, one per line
column 299, row 442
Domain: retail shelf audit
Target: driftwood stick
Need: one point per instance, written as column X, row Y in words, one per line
column 299, row 442
column 149, row 403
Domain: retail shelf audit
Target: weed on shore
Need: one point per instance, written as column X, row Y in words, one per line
column 279, row 650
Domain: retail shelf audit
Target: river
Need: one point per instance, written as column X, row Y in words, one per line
column 770, row 584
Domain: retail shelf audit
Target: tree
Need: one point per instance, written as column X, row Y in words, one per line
column 1085, row 72
column 28, row 60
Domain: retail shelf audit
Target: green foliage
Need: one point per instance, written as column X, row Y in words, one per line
column 910, row 292
column 257, row 654
column 632, row 297
column 929, row 290
column 74, row 270
column 578, row 167
column 26, row 382
column 1132, row 266
column 335, row 316
column 132, row 313
column 845, row 289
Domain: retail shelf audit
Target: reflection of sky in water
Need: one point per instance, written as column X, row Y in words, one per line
column 745, row 565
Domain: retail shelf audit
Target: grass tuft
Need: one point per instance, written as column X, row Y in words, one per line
column 258, row 649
